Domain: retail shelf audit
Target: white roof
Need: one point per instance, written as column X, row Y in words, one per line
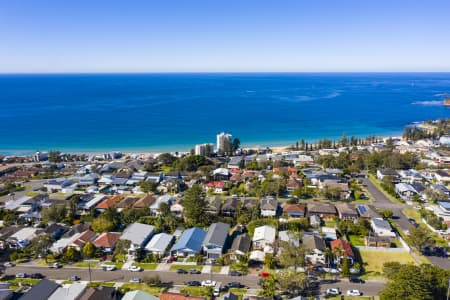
column 159, row 243
column 25, row 234
column 69, row 292
column 264, row 233
column 63, row 243
column 221, row 171
column 15, row 204
column 94, row 201
column 257, row 255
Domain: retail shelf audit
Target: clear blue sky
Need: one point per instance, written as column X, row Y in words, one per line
column 227, row 35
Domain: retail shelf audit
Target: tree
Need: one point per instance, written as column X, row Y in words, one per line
column 386, row 213
column 294, row 283
column 88, row 250
column 268, row 287
column 345, row 266
column 148, row 186
column 70, row 255
column 40, row 245
column 121, row 249
column 194, row 205
column 292, row 255
column 236, row 144
column 54, row 156
column 152, row 280
column 102, row 224
column 419, row 238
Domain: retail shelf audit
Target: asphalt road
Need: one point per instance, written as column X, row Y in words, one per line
column 124, row 275
column 372, row 288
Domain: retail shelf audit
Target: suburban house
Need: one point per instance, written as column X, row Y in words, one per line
column 381, row 227
column 138, row 234
column 293, row 184
column 390, row 173
column 215, row 241
column 264, row 238
column 126, row 203
column 22, row 237
column 167, row 199
column 405, row 191
column 294, row 210
column 159, row 244
column 175, row 296
column 229, row 207
column 216, row 186
column 138, row 295
column 82, row 239
column 108, row 203
column 288, row 237
column 241, row 244
column 346, row 211
column 377, row 241
column 190, row 242
column 367, row 212
column 41, row 291
column 57, row 184
column 340, row 248
column 442, row 176
column 324, row 210
column 329, row 233
column 145, row 202
column 213, row 205
column 269, row 207
column 69, row 292
column 107, row 241
column 99, row 293
column 87, row 205
column 316, row 247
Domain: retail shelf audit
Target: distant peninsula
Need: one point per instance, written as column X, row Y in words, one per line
column 446, row 102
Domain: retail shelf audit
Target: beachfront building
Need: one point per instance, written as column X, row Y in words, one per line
column 204, row 149
column 223, row 142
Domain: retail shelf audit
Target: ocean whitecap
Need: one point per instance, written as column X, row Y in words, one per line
column 428, row 103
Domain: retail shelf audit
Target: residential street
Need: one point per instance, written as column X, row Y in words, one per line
column 402, row 221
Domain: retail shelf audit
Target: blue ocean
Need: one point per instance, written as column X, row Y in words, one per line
column 167, row 112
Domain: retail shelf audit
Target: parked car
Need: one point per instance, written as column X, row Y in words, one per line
column 356, row 280
column 108, row 267
column 135, row 280
column 234, row 284
column 134, row 269
column 21, row 275
column 181, row 271
column 193, row 283
column 333, row 292
column 235, row 273
column 8, row 264
column 36, row 276
column 74, row 278
column 55, row 265
column 208, row 283
column 413, row 222
column 194, row 271
column 354, row 293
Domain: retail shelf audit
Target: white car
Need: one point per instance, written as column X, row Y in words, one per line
column 333, row 292
column 135, row 280
column 21, row 275
column 354, row 293
column 134, row 269
column 208, row 283
column 8, row 264
column 108, row 267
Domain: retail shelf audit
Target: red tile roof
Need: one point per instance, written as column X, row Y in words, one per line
column 174, row 296
column 84, row 237
column 107, row 239
column 294, row 208
column 145, row 202
column 344, row 245
column 110, row 202
column 215, row 184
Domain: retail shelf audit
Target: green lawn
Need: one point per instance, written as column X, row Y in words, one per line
column 99, row 283
column 185, row 267
column 356, row 240
column 216, row 269
column 414, row 214
column 198, row 291
column 154, row 290
column 146, row 266
column 352, row 298
column 29, row 281
column 32, row 194
column 85, row 264
column 118, row 265
column 330, row 223
column 373, row 260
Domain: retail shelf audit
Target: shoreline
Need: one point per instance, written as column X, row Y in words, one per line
column 149, row 151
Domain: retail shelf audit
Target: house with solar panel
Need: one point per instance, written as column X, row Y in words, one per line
column 190, row 242
column 367, row 212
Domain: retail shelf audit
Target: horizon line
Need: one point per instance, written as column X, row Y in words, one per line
column 221, row 72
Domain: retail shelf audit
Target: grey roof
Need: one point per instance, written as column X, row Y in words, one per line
column 70, row 292
column 138, row 233
column 321, row 207
column 242, row 243
column 159, row 243
column 217, row 234
column 312, row 241
column 229, row 296
column 381, row 223
column 269, row 204
column 42, row 290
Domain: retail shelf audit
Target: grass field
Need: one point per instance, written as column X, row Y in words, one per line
column 154, row 290
column 98, row 283
column 118, row 265
column 198, row 291
column 356, row 240
column 216, row 269
column 85, row 264
column 373, row 260
column 145, row 266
